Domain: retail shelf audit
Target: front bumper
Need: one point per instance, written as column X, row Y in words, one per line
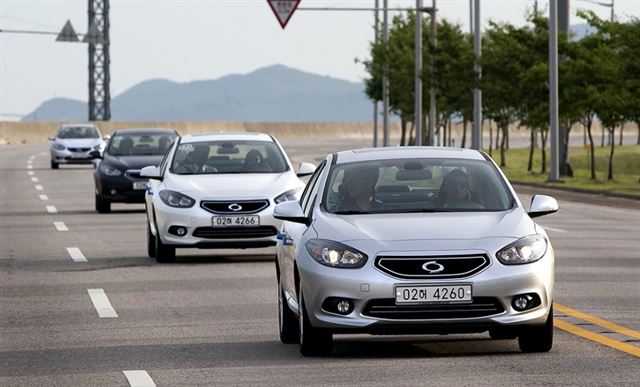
column 68, row 157
column 498, row 284
column 118, row 188
column 200, row 233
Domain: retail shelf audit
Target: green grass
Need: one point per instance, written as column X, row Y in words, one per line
column 626, row 169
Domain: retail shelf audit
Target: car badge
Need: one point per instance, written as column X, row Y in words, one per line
column 432, row 267
column 235, row 207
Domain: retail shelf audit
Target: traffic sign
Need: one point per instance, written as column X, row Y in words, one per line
column 283, row 9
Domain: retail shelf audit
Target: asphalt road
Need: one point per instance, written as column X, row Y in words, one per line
column 210, row 319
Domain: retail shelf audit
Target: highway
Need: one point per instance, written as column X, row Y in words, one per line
column 81, row 304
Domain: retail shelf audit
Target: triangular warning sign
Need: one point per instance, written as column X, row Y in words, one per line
column 93, row 35
column 68, row 34
column 283, row 9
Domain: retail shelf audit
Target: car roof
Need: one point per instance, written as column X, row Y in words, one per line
column 408, row 152
column 145, row 131
column 226, row 136
column 78, row 126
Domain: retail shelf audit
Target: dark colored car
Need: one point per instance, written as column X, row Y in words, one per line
column 117, row 174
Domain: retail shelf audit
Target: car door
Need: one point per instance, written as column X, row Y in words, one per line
column 292, row 232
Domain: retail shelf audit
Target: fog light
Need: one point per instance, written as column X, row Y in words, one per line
column 344, row 306
column 113, row 192
column 337, row 305
column 178, row 230
column 524, row 302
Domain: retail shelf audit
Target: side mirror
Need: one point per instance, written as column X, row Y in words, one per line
column 306, row 169
column 291, row 212
column 95, row 154
column 542, row 205
column 106, row 138
column 51, row 138
column 151, row 172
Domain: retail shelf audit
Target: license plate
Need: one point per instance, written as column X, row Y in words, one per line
column 433, row 294
column 235, row 221
column 80, row 155
column 139, row 185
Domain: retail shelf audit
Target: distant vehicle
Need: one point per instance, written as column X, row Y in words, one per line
column 413, row 241
column 74, row 143
column 218, row 191
column 117, row 174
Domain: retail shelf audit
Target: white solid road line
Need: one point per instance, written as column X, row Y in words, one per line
column 52, row 209
column 39, row 187
column 139, row 379
column 76, row 254
column 30, row 173
column 44, row 197
column 35, row 179
column 60, row 226
column 101, row 303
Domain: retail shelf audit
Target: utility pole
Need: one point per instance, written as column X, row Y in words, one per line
column 563, row 134
column 99, row 60
column 375, row 103
column 553, row 88
column 476, row 135
column 432, row 89
column 418, row 74
column 385, row 77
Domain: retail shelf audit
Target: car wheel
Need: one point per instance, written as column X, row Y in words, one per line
column 151, row 242
column 103, row 206
column 313, row 341
column 287, row 322
column 54, row 165
column 538, row 339
column 164, row 253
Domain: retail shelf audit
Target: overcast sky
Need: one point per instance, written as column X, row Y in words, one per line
column 185, row 40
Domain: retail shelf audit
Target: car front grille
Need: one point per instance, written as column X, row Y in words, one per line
column 79, row 149
column 386, row 308
column 234, row 232
column 417, row 267
column 235, row 207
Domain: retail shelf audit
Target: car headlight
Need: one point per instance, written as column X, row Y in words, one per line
column 290, row 195
column 335, row 254
column 97, row 147
column 176, row 199
column 109, row 170
column 525, row 250
column 58, row 147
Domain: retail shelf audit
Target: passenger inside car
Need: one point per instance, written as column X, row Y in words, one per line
column 454, row 191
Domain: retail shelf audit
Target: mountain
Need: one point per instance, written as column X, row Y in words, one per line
column 274, row 93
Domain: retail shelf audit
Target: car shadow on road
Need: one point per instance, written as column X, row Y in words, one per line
column 220, row 259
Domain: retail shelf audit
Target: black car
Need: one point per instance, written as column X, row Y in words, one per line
column 117, row 175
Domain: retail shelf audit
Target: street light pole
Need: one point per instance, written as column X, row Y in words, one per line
column 553, row 89
column 385, row 77
column 476, row 135
column 375, row 102
column 432, row 89
column 418, row 74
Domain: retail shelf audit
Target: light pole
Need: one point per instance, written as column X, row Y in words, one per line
column 553, row 89
column 375, row 102
column 476, row 135
column 385, row 77
column 418, row 74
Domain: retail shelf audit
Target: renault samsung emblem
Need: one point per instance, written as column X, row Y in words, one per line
column 432, row 267
column 235, row 207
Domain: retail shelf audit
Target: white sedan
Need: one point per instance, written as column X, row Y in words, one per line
column 218, row 191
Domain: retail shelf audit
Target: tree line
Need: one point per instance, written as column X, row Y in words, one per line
column 599, row 79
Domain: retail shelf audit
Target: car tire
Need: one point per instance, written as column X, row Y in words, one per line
column 313, row 341
column 538, row 339
column 151, row 242
column 287, row 321
column 103, row 206
column 164, row 253
column 54, row 165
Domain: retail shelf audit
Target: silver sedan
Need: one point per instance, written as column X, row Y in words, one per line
column 413, row 241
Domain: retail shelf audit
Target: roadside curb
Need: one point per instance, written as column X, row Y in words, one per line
column 580, row 195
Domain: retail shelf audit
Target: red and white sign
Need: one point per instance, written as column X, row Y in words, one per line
column 283, row 9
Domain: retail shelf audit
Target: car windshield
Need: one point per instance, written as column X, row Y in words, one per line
column 78, row 132
column 233, row 156
column 140, row 144
column 416, row 185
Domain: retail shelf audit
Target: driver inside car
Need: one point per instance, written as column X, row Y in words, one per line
column 357, row 191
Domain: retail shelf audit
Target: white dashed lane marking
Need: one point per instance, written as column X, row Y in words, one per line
column 29, row 166
column 35, row 179
column 44, row 197
column 30, row 173
column 101, row 303
column 39, row 187
column 52, row 209
column 553, row 229
column 60, row 226
column 76, row 254
column 139, row 378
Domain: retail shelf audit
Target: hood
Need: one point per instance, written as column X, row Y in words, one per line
column 78, row 142
column 234, row 186
column 425, row 226
column 132, row 162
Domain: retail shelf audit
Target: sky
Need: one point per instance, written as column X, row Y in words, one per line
column 186, row 40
